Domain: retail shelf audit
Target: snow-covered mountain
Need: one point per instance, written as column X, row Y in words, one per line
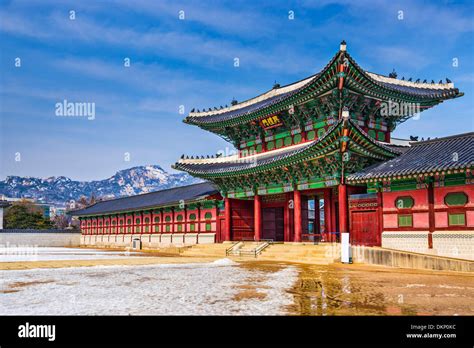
column 126, row 182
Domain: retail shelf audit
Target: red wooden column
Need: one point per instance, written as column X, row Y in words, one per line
column 161, row 223
column 286, row 220
column 228, row 218
column 257, row 213
column 317, row 214
column 173, row 216
column 380, row 215
column 185, row 220
column 343, row 217
column 142, row 223
column 198, row 219
column 431, row 214
column 298, row 217
column 328, row 214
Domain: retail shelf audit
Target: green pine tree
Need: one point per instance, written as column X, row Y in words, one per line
column 25, row 215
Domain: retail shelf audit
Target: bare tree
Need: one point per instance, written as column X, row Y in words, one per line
column 61, row 222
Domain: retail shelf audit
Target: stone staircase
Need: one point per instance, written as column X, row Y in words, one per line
column 321, row 254
column 207, row 250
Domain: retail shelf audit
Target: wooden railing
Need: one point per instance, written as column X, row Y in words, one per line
column 231, row 249
column 262, row 245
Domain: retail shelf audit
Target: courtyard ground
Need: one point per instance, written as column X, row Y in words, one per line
column 147, row 284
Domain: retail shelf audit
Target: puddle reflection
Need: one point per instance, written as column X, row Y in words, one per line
column 326, row 290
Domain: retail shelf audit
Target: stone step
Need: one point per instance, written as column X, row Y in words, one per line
column 210, row 252
column 274, row 256
column 294, row 252
column 301, row 252
column 312, row 254
column 296, row 248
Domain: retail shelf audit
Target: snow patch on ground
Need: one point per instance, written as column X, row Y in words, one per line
column 224, row 262
column 15, row 254
column 177, row 289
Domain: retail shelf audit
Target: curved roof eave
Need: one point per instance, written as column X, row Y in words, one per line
column 422, row 91
column 240, row 166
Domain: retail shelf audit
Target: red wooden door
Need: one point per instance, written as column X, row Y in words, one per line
column 268, row 223
column 242, row 225
column 273, row 223
column 279, row 224
column 222, row 226
column 364, row 227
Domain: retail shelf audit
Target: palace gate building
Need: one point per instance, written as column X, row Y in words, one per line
column 314, row 158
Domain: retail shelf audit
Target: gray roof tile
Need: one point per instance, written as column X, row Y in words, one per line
column 150, row 200
column 454, row 152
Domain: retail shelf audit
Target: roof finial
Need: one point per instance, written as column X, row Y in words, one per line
column 393, row 74
column 234, row 102
column 276, row 85
column 343, row 46
column 345, row 113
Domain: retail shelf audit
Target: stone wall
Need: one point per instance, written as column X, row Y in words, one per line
column 403, row 259
column 458, row 244
column 148, row 241
column 406, row 240
column 40, row 239
column 455, row 244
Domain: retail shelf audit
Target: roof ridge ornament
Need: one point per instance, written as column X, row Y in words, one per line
column 345, row 113
column 343, row 46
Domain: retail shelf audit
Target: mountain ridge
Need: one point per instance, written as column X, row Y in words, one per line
column 126, row 182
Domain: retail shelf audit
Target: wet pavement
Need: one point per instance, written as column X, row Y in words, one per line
column 370, row 290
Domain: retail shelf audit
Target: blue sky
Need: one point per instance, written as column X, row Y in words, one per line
column 190, row 62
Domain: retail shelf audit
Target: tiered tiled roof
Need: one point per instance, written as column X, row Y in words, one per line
column 424, row 157
column 151, row 200
column 358, row 79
